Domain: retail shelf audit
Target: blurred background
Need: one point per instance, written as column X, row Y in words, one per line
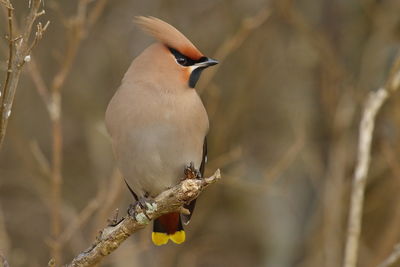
column 284, row 107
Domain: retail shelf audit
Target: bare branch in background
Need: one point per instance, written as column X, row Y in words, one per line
column 393, row 83
column 84, row 215
column 372, row 106
column 308, row 75
column 7, row 4
column 389, row 234
column 248, row 25
column 374, row 102
column 338, row 101
column 318, row 39
column 4, row 237
column 114, row 187
column 271, row 174
column 393, row 257
column 76, row 29
column 168, row 201
column 19, row 52
column 3, row 261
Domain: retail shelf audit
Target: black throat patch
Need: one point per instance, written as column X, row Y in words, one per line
column 187, row 62
column 195, row 76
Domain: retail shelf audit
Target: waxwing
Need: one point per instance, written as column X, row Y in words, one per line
column 157, row 121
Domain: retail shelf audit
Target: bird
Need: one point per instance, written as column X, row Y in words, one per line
column 158, row 123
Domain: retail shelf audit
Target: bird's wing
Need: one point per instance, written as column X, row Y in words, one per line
column 192, row 204
column 204, row 158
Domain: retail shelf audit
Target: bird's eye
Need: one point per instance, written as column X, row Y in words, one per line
column 182, row 61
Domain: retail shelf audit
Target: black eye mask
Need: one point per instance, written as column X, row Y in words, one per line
column 186, row 62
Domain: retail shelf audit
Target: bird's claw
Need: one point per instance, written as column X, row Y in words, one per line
column 148, row 204
column 142, row 209
column 191, row 172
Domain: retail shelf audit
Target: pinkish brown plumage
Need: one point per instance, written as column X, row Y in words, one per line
column 157, row 121
column 168, row 35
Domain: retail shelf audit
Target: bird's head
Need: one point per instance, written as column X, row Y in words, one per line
column 175, row 56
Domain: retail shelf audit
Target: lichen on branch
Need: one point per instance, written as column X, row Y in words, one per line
column 171, row 200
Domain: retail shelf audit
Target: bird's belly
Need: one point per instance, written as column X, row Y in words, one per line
column 158, row 155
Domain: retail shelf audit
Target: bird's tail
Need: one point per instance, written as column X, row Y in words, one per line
column 166, row 227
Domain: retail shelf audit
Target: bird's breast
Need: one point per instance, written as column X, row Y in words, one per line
column 158, row 135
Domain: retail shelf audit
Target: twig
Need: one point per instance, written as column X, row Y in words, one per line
column 393, row 257
column 3, row 261
column 19, row 53
column 40, row 158
column 83, row 216
column 56, row 177
column 284, row 162
column 76, row 26
column 389, row 235
column 330, row 60
column 114, row 187
column 6, row 3
column 168, row 201
column 96, row 12
column 4, row 237
column 4, row 113
column 248, row 25
column 373, row 104
column 39, row 83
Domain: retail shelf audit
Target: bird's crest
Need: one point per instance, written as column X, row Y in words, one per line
column 168, row 35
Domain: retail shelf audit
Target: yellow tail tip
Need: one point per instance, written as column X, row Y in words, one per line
column 159, row 238
column 162, row 238
column 178, row 237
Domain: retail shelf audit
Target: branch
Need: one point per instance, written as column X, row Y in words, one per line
column 6, row 3
column 171, row 200
column 393, row 257
column 77, row 26
column 3, row 261
column 19, row 53
column 329, row 59
column 372, row 106
column 248, row 25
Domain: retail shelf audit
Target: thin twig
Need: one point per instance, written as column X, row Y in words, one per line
column 3, row 261
column 284, row 162
column 114, row 187
column 4, row 237
column 373, row 104
column 80, row 220
column 19, row 53
column 389, row 235
column 52, row 99
column 5, row 113
column 248, row 25
column 318, row 39
column 40, row 158
column 168, row 201
column 393, row 257
column 6, row 3
column 77, row 27
column 96, row 12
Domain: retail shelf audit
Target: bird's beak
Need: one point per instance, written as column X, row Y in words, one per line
column 207, row 63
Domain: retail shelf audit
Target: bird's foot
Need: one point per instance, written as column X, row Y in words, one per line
column 191, row 172
column 148, row 204
column 142, row 209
